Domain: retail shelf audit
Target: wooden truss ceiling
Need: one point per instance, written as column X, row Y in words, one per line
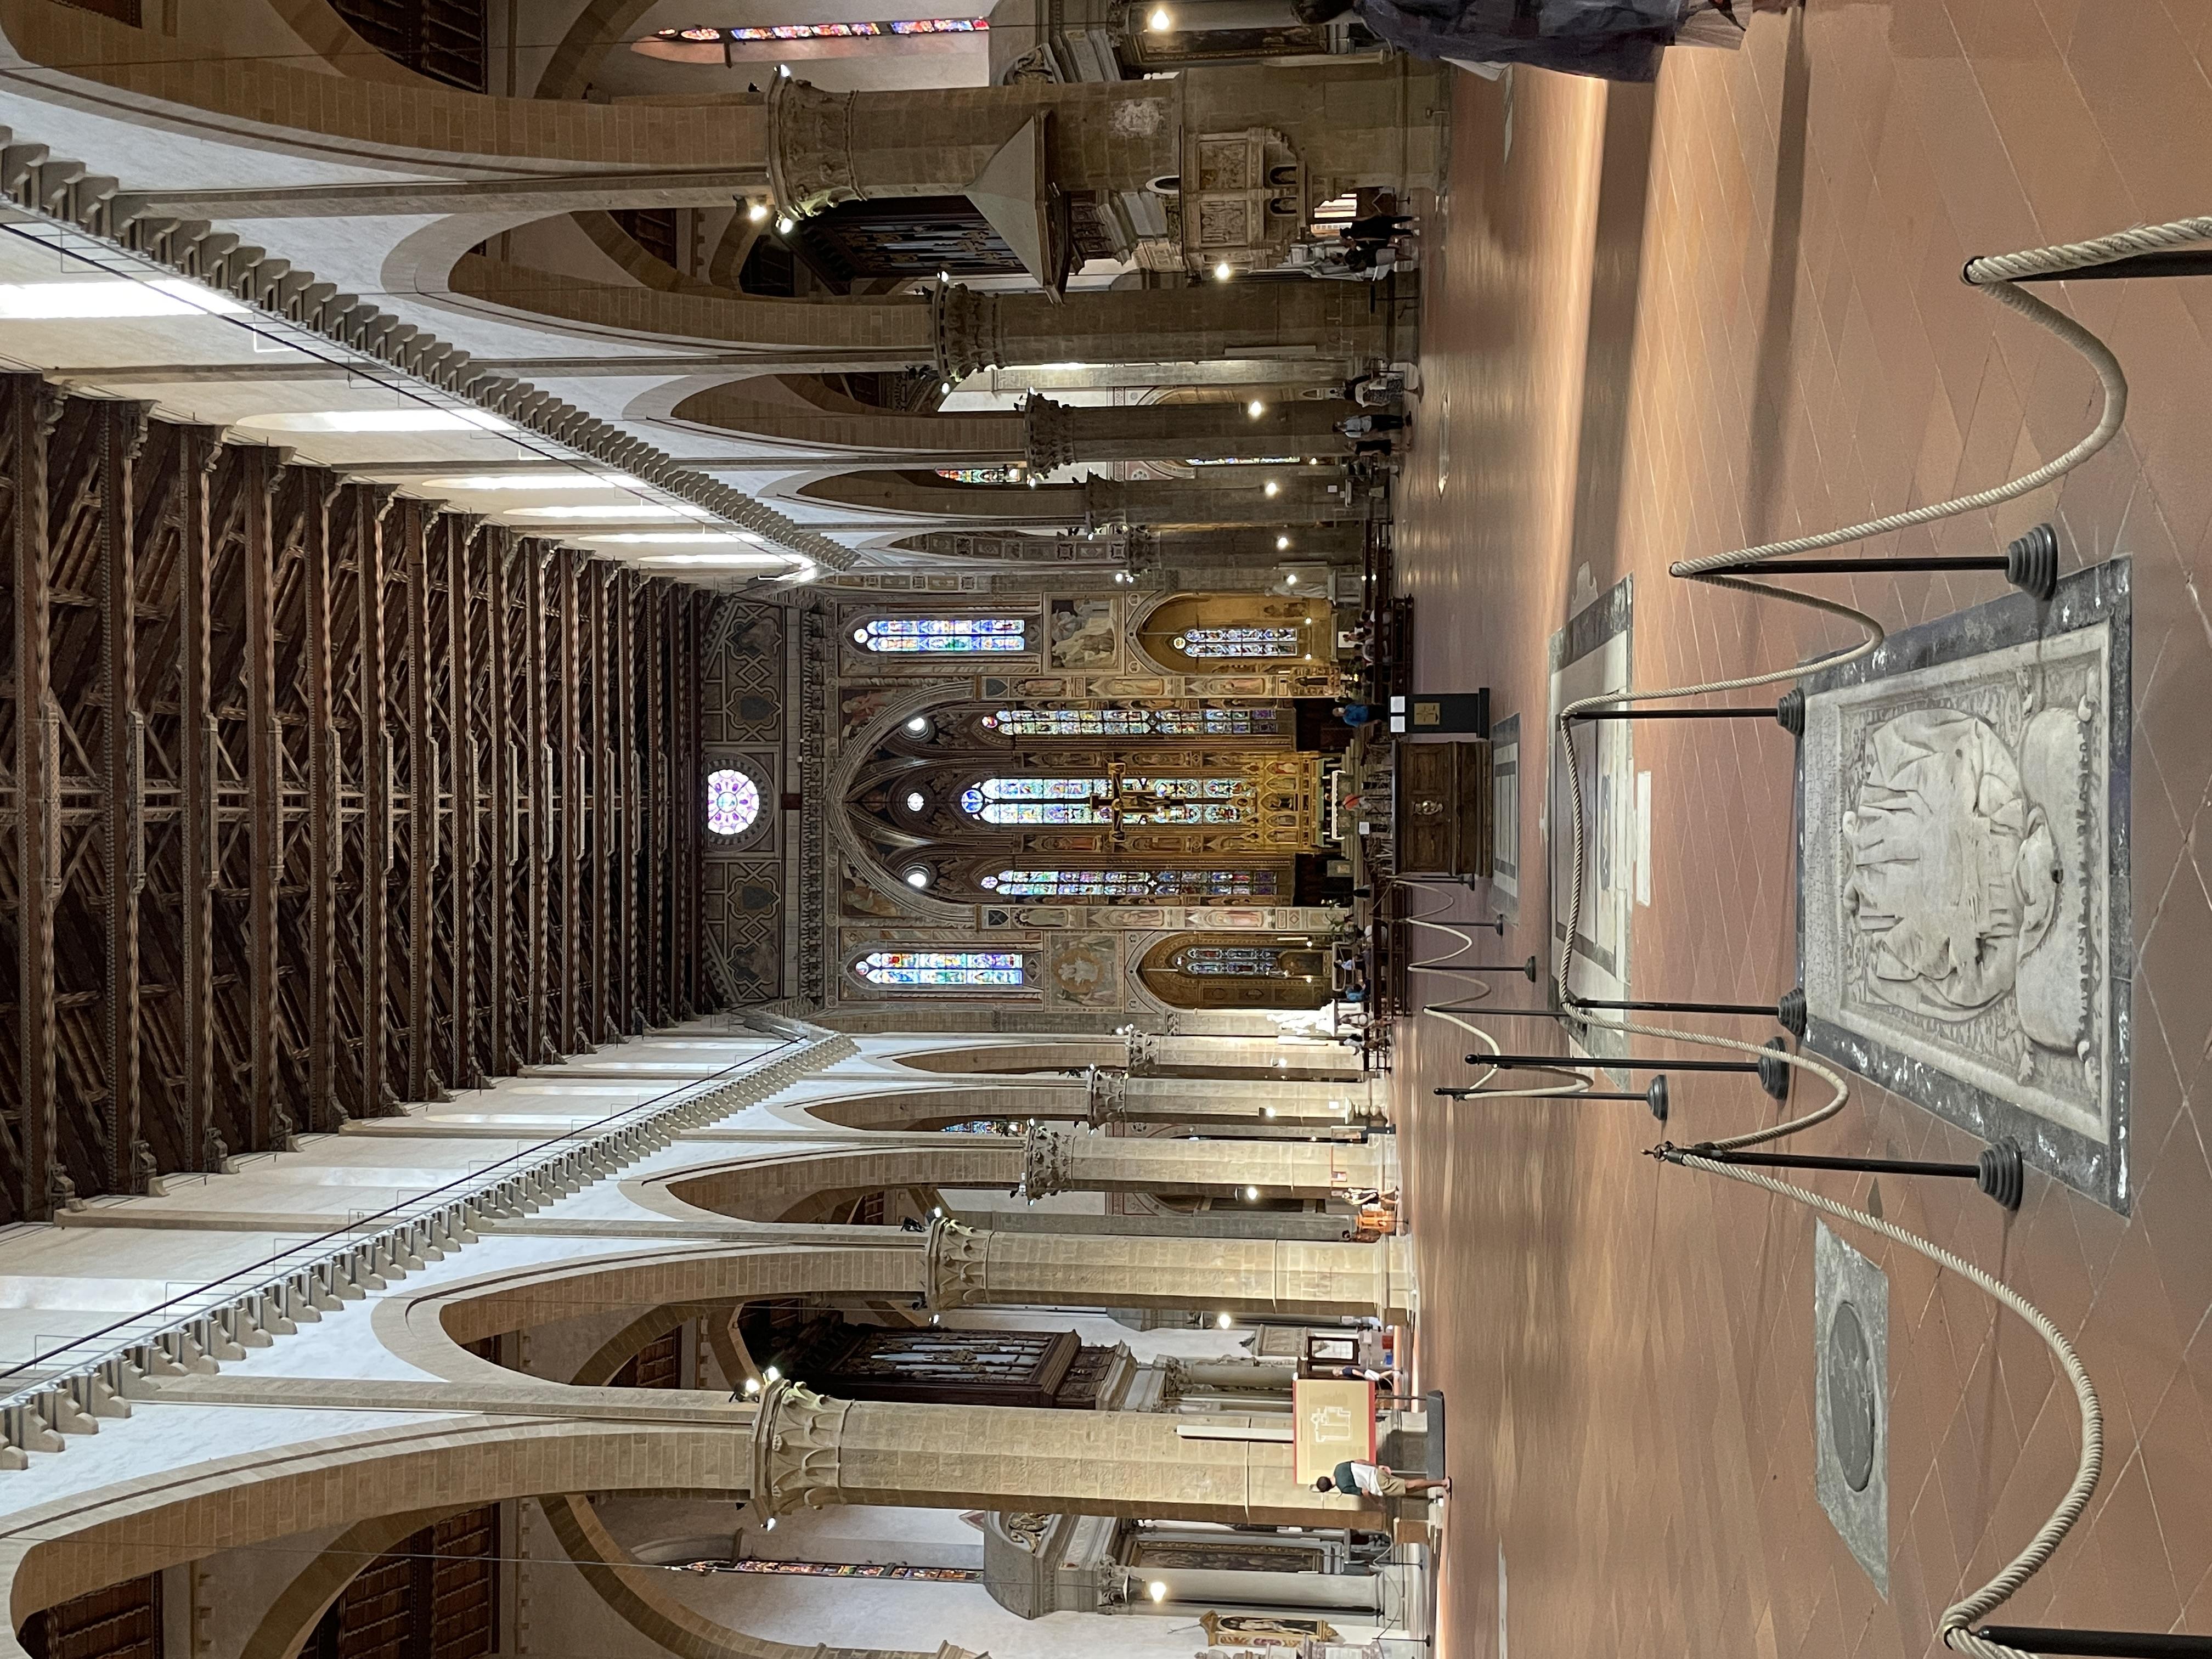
column 315, row 800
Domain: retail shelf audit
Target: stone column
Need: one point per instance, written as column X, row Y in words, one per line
column 1257, row 1102
column 1057, row 1160
column 1316, row 328
column 1348, row 124
column 1333, row 326
column 1300, row 1277
column 1252, row 546
column 1057, row 435
column 809, row 1451
column 1243, row 1059
column 1302, row 496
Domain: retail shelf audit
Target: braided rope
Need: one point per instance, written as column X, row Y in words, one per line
column 1958, row 1618
column 1995, row 276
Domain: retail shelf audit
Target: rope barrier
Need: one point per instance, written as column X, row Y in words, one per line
column 1996, row 276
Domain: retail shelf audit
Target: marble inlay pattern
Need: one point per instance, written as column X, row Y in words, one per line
column 1963, row 868
column 1851, row 1399
column 1505, row 817
column 1592, row 655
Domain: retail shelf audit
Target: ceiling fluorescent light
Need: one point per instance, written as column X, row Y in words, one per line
column 87, row 298
column 535, row 481
column 675, row 537
column 732, row 560
column 380, row 421
column 583, row 513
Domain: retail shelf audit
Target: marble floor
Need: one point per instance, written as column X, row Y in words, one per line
column 1670, row 321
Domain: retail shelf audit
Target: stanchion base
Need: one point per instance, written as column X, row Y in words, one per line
column 2031, row 562
column 1790, row 1012
column 1774, row 1070
column 2001, row 1175
column 1656, row 1097
column 1790, row 712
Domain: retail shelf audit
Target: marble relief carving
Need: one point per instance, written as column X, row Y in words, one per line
column 1964, row 872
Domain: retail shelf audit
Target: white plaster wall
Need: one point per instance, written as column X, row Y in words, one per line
column 231, row 1592
column 524, row 35
column 873, row 1613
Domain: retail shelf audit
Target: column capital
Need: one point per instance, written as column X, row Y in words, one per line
column 955, row 1270
column 1047, row 1163
column 810, row 146
column 1047, row 434
column 798, row 1436
column 966, row 329
column 1108, row 1085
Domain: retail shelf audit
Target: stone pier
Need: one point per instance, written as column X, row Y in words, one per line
column 968, row 1267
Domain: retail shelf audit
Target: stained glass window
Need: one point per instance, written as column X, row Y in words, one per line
column 1205, row 720
column 710, row 33
column 1132, row 883
column 1241, row 641
column 984, row 475
column 1232, row 961
column 1096, row 800
column 732, row 803
column 941, row 967
column 910, row 634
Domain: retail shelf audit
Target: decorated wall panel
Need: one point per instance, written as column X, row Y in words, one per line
column 748, row 867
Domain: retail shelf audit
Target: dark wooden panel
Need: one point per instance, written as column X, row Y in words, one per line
column 659, row 1365
column 942, row 1367
column 1441, row 808
column 434, row 1596
column 122, row 1621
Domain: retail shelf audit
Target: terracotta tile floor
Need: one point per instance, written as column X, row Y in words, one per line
column 1662, row 322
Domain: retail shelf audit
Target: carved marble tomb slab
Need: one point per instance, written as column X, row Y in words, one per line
column 1594, row 653
column 1963, row 872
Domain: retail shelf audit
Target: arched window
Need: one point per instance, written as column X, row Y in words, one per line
column 732, row 803
column 1205, row 720
column 1132, row 883
column 941, row 967
column 985, row 475
column 905, row 635
column 1107, row 800
column 1241, row 642
column 1230, row 961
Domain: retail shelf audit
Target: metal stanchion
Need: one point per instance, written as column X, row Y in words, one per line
column 2030, row 563
column 1788, row 1011
column 1788, row 712
column 2098, row 1643
column 1771, row 1068
column 1655, row 1097
column 1998, row 1172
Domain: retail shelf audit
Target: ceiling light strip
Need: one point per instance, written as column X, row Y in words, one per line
column 71, row 208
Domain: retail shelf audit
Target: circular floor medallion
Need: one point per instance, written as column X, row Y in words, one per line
column 1850, row 1363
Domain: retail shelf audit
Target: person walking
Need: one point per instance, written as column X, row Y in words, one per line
column 1378, row 1481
